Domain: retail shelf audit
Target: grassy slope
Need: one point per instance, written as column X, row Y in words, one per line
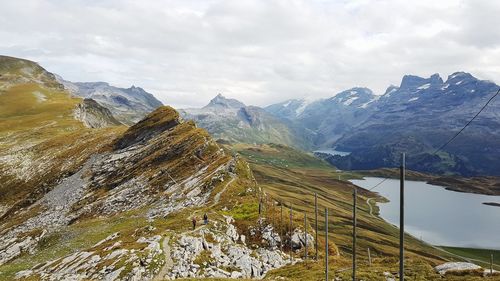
column 39, row 139
column 480, row 256
column 293, row 176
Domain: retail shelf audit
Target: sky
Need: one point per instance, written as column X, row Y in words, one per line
column 258, row 51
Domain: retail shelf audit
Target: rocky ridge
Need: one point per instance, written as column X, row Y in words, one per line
column 94, row 115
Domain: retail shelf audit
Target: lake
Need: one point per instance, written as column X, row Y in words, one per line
column 333, row 152
column 440, row 216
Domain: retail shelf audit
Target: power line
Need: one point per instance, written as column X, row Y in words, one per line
column 375, row 186
column 466, row 125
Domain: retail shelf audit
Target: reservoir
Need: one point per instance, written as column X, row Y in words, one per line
column 439, row 216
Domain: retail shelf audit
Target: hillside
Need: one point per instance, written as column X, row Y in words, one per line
column 114, row 203
column 117, row 203
column 40, row 139
column 231, row 120
column 292, row 177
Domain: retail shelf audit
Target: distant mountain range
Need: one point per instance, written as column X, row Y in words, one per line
column 232, row 120
column 417, row 117
column 128, row 105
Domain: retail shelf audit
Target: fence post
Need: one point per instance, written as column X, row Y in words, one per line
column 354, row 222
column 369, row 257
column 273, row 207
column 326, row 244
column 491, row 264
column 402, row 218
column 291, row 226
column 281, row 226
column 260, row 204
column 305, row 236
column 316, row 220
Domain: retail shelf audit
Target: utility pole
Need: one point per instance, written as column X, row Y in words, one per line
column 305, row 236
column 354, row 222
column 402, row 218
column 326, row 244
column 316, row 220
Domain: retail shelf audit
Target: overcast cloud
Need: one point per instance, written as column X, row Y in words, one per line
column 260, row 52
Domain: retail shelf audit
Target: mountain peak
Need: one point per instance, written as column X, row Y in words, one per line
column 222, row 102
column 460, row 75
column 354, row 96
column 163, row 118
column 413, row 81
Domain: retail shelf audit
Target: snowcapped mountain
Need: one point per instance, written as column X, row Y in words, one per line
column 128, row 105
column 419, row 116
column 289, row 109
column 330, row 118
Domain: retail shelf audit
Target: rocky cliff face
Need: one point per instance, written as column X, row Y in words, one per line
column 93, row 115
column 128, row 105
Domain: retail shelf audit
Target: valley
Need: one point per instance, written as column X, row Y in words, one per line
column 86, row 197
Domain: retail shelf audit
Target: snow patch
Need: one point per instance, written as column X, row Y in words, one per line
column 302, row 107
column 412, row 99
column 425, row 86
column 287, row 103
column 349, row 101
column 459, row 82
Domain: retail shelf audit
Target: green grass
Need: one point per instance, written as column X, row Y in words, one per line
column 481, row 256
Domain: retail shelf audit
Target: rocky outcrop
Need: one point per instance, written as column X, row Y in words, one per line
column 224, row 255
column 456, row 267
column 93, row 115
column 298, row 239
column 107, row 260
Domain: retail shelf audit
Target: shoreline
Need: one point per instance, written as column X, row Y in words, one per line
column 486, row 185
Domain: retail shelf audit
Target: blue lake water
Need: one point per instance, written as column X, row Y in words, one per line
column 440, row 216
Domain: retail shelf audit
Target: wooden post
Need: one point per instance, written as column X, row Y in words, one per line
column 305, row 236
column 369, row 257
column 354, row 225
column 281, row 226
column 491, row 264
column 402, row 218
column 260, row 204
column 316, row 220
column 273, row 211
column 291, row 227
column 326, row 244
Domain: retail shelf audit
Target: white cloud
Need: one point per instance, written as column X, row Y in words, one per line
column 259, row 51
